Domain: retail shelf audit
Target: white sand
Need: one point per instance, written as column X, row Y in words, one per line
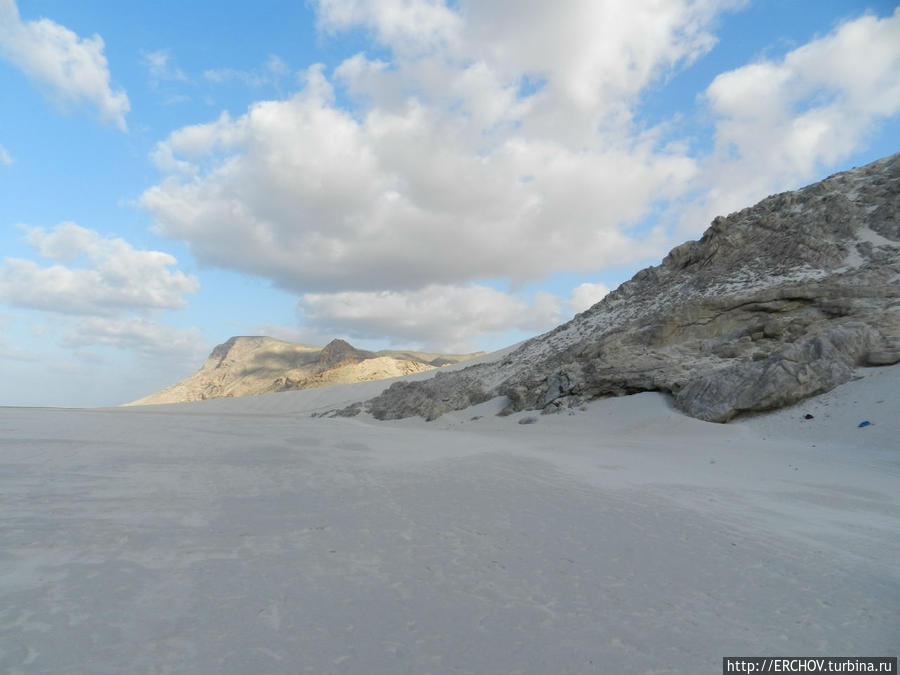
column 244, row 536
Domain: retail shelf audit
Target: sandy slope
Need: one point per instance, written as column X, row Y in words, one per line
column 237, row 536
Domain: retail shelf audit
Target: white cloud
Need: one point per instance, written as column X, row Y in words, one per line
column 73, row 70
column 66, row 242
column 448, row 171
column 446, row 154
column 5, row 159
column 439, row 317
column 592, row 58
column 108, row 361
column 591, row 52
column 489, row 144
column 147, row 338
column 599, row 53
column 779, row 121
column 303, row 193
column 405, row 25
column 113, row 277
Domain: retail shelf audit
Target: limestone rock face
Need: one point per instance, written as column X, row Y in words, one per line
column 446, row 392
column 775, row 303
column 252, row 365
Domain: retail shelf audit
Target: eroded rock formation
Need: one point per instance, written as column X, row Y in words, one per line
column 775, row 303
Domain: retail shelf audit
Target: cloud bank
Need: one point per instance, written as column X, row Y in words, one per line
column 486, row 147
column 149, row 339
column 107, row 276
column 100, row 291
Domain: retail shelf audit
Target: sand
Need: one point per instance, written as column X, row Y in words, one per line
column 245, row 536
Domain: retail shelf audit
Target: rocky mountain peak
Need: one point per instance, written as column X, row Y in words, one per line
column 340, row 351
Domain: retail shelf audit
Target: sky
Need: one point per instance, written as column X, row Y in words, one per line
column 442, row 175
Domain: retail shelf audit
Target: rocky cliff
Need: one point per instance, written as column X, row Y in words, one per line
column 248, row 366
column 775, row 303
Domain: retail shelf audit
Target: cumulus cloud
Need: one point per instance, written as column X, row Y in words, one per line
column 597, row 52
column 483, row 146
column 779, row 121
column 304, row 193
column 5, row 159
column 477, row 150
column 447, row 156
column 105, row 276
column 585, row 62
column 72, row 70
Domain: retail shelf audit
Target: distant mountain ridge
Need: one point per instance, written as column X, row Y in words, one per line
column 253, row 365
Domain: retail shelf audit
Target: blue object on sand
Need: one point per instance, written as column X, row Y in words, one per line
column 864, row 424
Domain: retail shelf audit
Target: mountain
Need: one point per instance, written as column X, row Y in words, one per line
column 247, row 366
column 774, row 304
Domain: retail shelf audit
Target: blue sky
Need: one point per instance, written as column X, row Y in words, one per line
column 400, row 173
